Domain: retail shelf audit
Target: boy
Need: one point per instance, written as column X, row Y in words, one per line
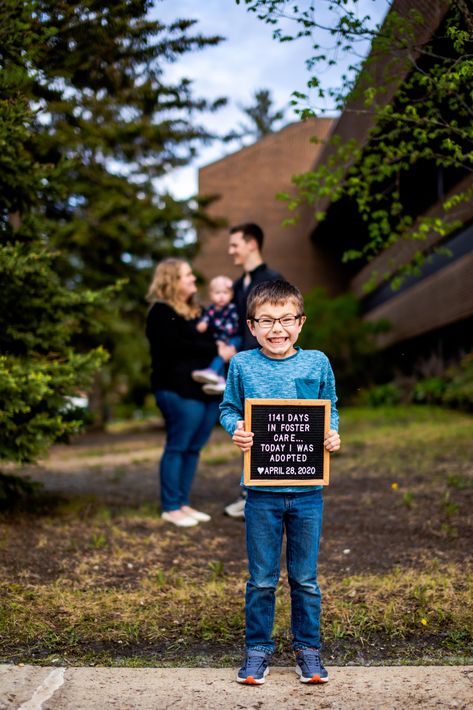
column 280, row 370
column 245, row 248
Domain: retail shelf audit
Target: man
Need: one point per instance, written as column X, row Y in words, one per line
column 245, row 246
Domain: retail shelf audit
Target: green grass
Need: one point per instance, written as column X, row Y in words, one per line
column 167, row 608
column 124, row 590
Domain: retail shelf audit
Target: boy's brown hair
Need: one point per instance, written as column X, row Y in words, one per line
column 276, row 293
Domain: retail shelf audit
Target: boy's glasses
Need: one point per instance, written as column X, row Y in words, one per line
column 267, row 323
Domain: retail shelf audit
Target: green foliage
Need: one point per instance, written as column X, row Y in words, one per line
column 459, row 390
column 33, row 391
column 107, row 126
column 429, row 391
column 335, row 326
column 415, row 96
column 453, row 388
column 39, row 315
column 387, row 395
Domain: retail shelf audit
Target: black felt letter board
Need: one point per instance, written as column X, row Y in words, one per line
column 288, row 446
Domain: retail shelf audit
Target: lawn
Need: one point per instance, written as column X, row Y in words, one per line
column 89, row 574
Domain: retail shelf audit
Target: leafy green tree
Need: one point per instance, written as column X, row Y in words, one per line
column 417, row 95
column 110, row 117
column 39, row 316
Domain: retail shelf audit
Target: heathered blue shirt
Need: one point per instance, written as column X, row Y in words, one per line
column 305, row 375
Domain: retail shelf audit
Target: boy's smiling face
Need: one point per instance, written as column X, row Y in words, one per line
column 277, row 341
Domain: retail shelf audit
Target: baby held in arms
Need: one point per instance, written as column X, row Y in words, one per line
column 221, row 318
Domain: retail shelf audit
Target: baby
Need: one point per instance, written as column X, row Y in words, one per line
column 222, row 319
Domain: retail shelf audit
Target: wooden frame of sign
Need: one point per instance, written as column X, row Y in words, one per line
column 288, row 446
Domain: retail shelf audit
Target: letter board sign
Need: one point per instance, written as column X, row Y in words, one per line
column 288, row 446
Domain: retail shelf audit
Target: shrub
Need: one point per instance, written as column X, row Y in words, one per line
column 335, row 326
column 381, row 395
column 429, row 391
column 453, row 388
column 459, row 388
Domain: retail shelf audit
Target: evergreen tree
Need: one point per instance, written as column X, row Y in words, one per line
column 39, row 368
column 110, row 118
column 264, row 119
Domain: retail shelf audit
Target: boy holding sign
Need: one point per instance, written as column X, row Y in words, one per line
column 279, row 370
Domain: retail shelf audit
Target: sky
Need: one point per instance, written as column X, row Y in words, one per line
column 249, row 59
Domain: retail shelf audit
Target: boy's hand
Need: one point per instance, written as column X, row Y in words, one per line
column 243, row 439
column 332, row 441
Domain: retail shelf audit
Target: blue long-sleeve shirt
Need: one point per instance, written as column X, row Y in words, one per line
column 305, row 375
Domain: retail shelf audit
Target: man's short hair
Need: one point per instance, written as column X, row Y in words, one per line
column 276, row 293
column 250, row 231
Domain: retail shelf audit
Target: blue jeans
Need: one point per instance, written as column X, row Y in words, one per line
column 189, row 424
column 266, row 516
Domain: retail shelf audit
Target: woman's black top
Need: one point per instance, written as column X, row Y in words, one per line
column 177, row 348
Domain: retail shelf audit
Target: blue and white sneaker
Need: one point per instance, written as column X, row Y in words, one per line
column 310, row 668
column 254, row 669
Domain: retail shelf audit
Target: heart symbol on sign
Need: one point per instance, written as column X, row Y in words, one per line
column 260, row 469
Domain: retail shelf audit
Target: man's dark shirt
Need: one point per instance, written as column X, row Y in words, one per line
column 240, row 295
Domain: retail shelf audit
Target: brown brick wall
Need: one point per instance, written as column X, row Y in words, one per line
column 247, row 183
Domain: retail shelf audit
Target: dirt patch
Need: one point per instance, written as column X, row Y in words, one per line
column 97, row 526
column 368, row 526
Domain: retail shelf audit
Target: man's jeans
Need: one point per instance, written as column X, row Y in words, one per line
column 189, row 424
column 266, row 516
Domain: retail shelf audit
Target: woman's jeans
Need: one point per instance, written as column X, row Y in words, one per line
column 189, row 424
column 266, row 516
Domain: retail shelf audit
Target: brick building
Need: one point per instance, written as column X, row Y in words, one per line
column 436, row 306
column 246, row 184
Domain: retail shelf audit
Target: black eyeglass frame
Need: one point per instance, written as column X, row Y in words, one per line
column 276, row 320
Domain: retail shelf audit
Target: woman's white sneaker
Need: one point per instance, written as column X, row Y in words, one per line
column 183, row 521
column 196, row 514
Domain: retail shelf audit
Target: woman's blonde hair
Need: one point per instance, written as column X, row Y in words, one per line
column 164, row 287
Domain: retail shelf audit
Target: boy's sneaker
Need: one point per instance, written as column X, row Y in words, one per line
column 207, row 376
column 310, row 667
column 254, row 669
column 215, row 388
column 237, row 508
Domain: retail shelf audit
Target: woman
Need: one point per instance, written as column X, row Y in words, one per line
column 177, row 348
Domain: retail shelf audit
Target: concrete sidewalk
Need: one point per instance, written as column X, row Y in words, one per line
column 373, row 688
